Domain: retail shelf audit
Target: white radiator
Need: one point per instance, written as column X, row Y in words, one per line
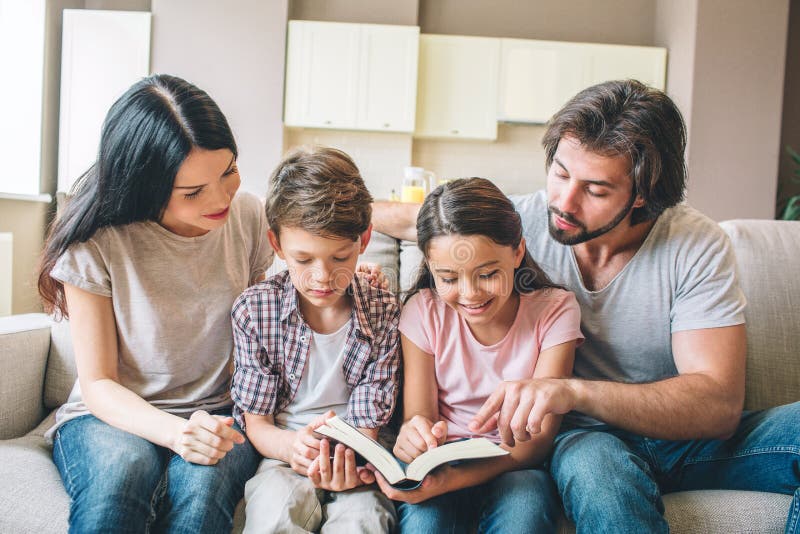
column 6, row 243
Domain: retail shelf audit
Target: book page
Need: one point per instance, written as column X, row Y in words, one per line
column 456, row 450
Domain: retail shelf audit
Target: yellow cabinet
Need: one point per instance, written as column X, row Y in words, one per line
column 457, row 89
column 351, row 76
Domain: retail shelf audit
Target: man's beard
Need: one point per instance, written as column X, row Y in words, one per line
column 584, row 235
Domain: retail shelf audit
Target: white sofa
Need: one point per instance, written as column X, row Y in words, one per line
column 37, row 371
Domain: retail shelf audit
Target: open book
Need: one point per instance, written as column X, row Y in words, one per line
column 397, row 473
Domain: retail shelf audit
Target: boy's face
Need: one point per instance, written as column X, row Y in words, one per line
column 321, row 268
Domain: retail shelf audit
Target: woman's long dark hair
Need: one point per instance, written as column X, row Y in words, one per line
column 474, row 206
column 146, row 136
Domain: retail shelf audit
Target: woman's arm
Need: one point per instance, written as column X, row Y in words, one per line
column 554, row 362
column 203, row 439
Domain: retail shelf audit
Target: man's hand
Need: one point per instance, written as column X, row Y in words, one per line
column 373, row 273
column 205, row 439
column 517, row 408
column 418, row 435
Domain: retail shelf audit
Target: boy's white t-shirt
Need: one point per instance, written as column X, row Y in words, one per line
column 323, row 386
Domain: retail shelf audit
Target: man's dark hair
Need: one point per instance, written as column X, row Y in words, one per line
column 628, row 118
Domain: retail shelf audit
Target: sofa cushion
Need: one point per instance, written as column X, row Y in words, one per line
column 32, row 496
column 767, row 257
column 24, row 343
column 61, row 372
column 410, row 261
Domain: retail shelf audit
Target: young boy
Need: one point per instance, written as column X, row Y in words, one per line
column 310, row 342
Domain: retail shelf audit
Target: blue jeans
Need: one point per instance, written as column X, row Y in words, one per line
column 118, row 482
column 516, row 501
column 612, row 481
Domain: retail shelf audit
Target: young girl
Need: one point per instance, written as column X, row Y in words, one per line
column 146, row 260
column 481, row 312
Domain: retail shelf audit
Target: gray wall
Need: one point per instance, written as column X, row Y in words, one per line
column 608, row 21
column 788, row 183
column 235, row 52
column 372, row 12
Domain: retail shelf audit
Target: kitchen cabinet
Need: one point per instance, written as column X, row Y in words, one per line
column 457, row 89
column 538, row 77
column 351, row 76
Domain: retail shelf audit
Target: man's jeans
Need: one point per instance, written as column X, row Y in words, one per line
column 516, row 501
column 118, row 482
column 612, row 481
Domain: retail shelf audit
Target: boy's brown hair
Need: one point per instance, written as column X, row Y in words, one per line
column 319, row 190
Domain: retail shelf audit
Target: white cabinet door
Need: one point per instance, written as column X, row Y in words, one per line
column 615, row 62
column 457, row 89
column 538, row 77
column 388, row 78
column 351, row 76
column 321, row 70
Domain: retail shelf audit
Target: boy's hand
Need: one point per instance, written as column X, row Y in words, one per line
column 205, row 439
column 305, row 449
column 373, row 273
column 418, row 435
column 339, row 475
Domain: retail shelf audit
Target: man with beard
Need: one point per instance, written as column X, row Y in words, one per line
column 655, row 404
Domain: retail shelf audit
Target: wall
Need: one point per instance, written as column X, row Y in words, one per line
column 27, row 221
column 237, row 56
column 402, row 12
column 609, row 21
column 736, row 107
column 788, row 182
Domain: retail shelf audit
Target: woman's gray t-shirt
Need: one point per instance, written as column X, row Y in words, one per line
column 683, row 277
column 172, row 297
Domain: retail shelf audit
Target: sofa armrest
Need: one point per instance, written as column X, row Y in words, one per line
column 24, row 346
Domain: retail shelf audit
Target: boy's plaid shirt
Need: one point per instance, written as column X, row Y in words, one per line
column 272, row 341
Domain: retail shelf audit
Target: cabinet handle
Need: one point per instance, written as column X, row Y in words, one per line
column 327, row 122
column 386, row 124
column 454, row 132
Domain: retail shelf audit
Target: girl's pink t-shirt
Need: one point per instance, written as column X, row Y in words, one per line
column 467, row 371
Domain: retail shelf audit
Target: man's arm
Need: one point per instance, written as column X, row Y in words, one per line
column 704, row 401
column 396, row 219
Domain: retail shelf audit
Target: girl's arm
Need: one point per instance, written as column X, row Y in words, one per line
column 202, row 439
column 421, row 428
column 554, row 362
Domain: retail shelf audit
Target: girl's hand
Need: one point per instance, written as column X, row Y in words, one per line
column 205, row 439
column 373, row 273
column 339, row 475
column 418, row 435
column 433, row 485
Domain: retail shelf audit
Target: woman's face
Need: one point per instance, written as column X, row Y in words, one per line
column 201, row 198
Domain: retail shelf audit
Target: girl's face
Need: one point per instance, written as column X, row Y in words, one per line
column 201, row 198
column 474, row 275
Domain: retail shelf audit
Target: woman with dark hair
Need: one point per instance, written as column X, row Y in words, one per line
column 151, row 250
column 481, row 312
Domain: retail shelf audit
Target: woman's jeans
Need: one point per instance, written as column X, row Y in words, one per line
column 517, row 501
column 612, row 481
column 118, row 482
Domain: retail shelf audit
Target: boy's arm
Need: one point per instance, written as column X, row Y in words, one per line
column 372, row 400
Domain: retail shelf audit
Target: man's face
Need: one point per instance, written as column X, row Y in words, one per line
column 588, row 195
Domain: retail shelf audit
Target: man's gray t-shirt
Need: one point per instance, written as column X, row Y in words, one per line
column 683, row 277
column 172, row 297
